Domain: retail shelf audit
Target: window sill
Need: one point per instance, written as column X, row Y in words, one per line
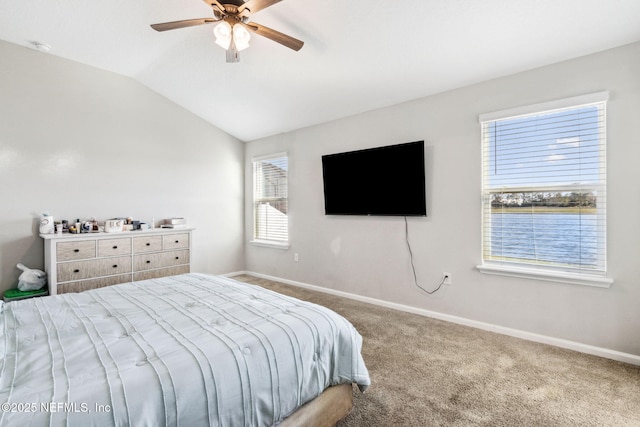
column 270, row 244
column 550, row 276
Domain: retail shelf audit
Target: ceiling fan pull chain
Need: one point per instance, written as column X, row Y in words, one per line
column 232, row 52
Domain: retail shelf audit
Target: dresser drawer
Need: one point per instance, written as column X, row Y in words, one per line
column 161, row 272
column 162, row 259
column 147, row 244
column 78, row 270
column 175, row 241
column 68, row 251
column 113, row 247
column 85, row 285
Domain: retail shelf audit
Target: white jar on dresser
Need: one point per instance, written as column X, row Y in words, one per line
column 79, row 262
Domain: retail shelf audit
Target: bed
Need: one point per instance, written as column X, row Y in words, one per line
column 187, row 350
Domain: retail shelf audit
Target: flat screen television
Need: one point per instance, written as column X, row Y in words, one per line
column 382, row 181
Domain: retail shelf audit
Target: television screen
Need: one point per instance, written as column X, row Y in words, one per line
column 377, row 181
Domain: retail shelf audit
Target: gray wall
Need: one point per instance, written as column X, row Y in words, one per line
column 369, row 257
column 78, row 142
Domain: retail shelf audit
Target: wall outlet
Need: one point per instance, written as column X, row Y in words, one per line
column 446, row 278
column 296, row 258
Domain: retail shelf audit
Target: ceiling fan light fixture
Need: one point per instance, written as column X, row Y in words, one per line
column 241, row 37
column 223, row 34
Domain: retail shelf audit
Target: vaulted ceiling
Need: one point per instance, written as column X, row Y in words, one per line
column 358, row 55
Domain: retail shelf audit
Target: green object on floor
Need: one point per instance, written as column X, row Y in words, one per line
column 17, row 294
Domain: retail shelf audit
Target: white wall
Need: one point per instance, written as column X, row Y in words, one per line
column 369, row 257
column 78, row 142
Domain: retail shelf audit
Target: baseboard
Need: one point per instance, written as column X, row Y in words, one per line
column 543, row 339
column 235, row 273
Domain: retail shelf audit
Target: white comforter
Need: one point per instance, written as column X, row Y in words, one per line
column 190, row 350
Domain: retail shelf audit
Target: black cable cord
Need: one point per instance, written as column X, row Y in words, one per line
column 413, row 268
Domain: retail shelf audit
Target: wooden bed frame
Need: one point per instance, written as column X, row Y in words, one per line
column 326, row 410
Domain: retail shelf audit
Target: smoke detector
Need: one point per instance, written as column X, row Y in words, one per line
column 42, row 47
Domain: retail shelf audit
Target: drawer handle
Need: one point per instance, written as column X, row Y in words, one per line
column 148, row 262
column 76, row 271
column 177, row 241
column 148, row 244
column 115, row 265
column 177, row 257
column 115, row 247
column 76, row 250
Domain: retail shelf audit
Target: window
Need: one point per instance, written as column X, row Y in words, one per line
column 270, row 200
column 543, row 183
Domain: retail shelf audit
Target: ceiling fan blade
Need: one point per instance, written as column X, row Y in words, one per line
column 276, row 36
column 165, row 26
column 257, row 5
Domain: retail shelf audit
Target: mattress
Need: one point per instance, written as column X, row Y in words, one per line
column 188, row 350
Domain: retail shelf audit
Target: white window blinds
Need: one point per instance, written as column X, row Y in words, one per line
column 544, row 172
column 270, row 198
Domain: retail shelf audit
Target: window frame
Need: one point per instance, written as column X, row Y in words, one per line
column 261, row 240
column 532, row 270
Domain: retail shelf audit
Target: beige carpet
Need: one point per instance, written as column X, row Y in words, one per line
column 427, row 372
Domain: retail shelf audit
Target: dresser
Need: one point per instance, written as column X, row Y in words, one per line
column 79, row 262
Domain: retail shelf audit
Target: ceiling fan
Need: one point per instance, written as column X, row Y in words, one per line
column 232, row 32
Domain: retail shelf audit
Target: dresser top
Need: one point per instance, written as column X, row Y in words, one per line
column 119, row 234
